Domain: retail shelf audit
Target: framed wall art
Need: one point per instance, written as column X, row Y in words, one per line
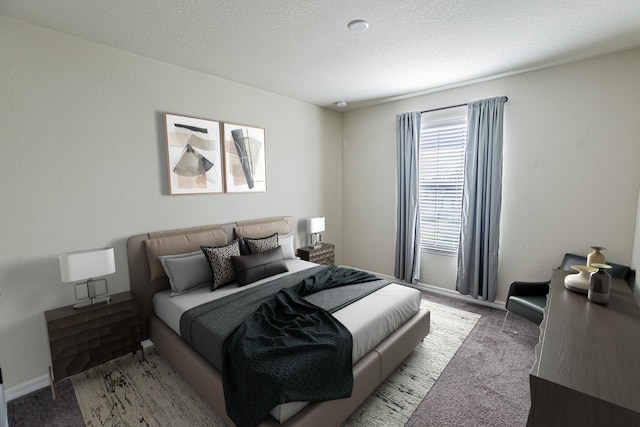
column 244, row 158
column 193, row 155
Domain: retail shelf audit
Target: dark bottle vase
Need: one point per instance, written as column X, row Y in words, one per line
column 600, row 284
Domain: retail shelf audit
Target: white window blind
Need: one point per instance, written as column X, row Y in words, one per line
column 441, row 166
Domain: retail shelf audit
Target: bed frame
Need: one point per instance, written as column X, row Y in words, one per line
column 368, row 373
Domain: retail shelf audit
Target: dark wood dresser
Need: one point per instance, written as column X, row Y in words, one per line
column 587, row 369
column 81, row 338
column 324, row 254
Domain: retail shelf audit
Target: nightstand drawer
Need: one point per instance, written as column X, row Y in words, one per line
column 323, row 254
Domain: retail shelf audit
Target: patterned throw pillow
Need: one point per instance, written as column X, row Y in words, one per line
column 262, row 244
column 221, row 265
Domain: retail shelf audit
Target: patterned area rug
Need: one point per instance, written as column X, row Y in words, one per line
column 129, row 391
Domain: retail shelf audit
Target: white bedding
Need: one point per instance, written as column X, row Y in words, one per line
column 393, row 305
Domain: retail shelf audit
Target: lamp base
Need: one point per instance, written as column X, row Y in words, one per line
column 315, row 240
column 94, row 294
column 93, row 301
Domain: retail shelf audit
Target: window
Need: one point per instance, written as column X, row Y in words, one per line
column 441, row 153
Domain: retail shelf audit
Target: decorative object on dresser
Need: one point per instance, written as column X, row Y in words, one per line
column 596, row 256
column 85, row 265
column 80, row 339
column 324, row 253
column 315, row 226
column 579, row 282
column 600, row 284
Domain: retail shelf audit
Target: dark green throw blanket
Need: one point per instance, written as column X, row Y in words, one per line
column 289, row 350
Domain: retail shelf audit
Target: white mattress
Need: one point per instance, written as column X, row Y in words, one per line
column 392, row 305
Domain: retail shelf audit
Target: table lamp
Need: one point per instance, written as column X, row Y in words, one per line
column 315, row 226
column 85, row 265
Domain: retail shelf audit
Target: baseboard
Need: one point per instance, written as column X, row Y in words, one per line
column 455, row 294
column 40, row 382
column 441, row 291
column 27, row 387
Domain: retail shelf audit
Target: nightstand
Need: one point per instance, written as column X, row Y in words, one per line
column 324, row 254
column 81, row 338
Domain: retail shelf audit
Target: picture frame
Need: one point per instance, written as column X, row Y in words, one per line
column 194, row 159
column 244, row 158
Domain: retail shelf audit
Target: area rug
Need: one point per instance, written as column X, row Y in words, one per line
column 129, row 391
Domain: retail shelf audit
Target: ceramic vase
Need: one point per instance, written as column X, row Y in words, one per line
column 579, row 282
column 596, row 256
column 600, row 284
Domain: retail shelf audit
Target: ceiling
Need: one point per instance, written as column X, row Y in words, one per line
column 302, row 49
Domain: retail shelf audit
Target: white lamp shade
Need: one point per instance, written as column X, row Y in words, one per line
column 75, row 266
column 315, row 225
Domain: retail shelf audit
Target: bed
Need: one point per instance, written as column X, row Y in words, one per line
column 397, row 327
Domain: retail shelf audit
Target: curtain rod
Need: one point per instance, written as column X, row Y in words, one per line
column 451, row 106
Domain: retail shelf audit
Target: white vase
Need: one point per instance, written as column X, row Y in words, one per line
column 596, row 256
column 579, row 282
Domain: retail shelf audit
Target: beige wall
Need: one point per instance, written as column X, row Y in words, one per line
column 83, row 165
column 571, row 170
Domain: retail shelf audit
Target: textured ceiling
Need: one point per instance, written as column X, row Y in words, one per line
column 303, row 49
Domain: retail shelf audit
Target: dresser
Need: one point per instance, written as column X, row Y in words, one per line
column 587, row 369
column 81, row 338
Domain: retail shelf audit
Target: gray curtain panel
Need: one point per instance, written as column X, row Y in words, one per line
column 482, row 199
column 407, row 267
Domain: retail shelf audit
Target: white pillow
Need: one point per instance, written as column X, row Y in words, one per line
column 288, row 244
column 186, row 271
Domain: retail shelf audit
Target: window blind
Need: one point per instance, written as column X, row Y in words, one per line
column 441, row 163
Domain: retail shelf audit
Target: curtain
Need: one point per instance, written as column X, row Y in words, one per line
column 407, row 266
column 482, row 198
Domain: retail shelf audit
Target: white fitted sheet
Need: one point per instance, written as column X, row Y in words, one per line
column 370, row 319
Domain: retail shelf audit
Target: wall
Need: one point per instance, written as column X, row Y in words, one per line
column 83, row 166
column 570, row 178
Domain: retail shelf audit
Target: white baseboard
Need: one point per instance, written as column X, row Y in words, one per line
column 455, row 294
column 27, row 387
column 40, row 382
column 441, row 291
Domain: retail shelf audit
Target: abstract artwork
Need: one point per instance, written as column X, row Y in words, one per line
column 244, row 152
column 193, row 155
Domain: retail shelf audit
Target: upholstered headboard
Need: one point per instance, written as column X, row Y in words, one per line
column 146, row 276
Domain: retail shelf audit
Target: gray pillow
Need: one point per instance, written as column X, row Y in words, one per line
column 220, row 261
column 250, row 268
column 262, row 244
column 186, row 271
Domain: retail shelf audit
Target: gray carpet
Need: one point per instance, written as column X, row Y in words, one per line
column 487, row 382
column 484, row 384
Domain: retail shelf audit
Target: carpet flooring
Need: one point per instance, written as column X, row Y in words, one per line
column 484, row 382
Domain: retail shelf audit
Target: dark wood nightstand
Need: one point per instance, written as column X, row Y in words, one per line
column 81, row 338
column 324, row 254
